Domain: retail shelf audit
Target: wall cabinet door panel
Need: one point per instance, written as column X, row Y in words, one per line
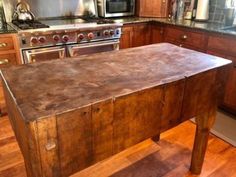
column 152, row 8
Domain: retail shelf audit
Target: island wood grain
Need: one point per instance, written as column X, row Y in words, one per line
column 133, row 88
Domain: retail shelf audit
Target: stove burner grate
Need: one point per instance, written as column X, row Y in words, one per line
column 29, row 24
column 98, row 20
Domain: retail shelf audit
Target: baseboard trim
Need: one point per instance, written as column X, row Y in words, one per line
column 221, row 136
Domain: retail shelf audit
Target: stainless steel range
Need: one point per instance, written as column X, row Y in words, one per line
column 58, row 39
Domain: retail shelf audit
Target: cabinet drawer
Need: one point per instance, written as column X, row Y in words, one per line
column 185, row 37
column 223, row 44
column 7, row 60
column 6, row 43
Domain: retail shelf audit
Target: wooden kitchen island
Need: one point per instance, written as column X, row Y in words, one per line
column 69, row 114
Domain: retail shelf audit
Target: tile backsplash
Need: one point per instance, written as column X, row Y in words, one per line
column 216, row 11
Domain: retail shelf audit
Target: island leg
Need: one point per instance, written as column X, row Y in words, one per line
column 204, row 124
column 156, row 138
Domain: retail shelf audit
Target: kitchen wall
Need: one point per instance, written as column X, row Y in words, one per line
column 52, row 8
column 216, row 12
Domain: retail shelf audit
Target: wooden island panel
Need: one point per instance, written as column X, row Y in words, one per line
column 130, row 97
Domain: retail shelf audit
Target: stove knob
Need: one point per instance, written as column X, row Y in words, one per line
column 42, row 39
column 34, row 40
column 112, row 32
column 90, row 36
column 106, row 33
column 117, row 32
column 56, row 38
column 65, row 38
column 81, row 37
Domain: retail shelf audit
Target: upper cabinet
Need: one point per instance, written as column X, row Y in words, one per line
column 152, row 8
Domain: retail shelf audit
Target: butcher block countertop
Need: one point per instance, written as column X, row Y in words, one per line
column 70, row 114
column 49, row 88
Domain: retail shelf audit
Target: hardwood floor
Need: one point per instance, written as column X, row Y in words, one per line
column 170, row 157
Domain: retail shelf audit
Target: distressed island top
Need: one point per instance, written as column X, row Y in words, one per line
column 53, row 87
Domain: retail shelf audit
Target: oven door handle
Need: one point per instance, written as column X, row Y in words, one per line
column 72, row 48
column 95, row 45
column 84, row 46
column 31, row 55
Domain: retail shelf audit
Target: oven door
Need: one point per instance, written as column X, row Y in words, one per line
column 116, row 8
column 95, row 47
column 43, row 54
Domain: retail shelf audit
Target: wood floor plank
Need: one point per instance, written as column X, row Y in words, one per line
column 15, row 171
column 170, row 157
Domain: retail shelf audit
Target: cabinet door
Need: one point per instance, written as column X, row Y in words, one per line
column 157, row 33
column 9, row 55
column 229, row 100
column 230, row 92
column 126, row 40
column 145, row 9
column 152, row 8
column 142, row 35
column 2, row 102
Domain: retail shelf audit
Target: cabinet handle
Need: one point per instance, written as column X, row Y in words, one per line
column 4, row 61
column 3, row 45
column 184, row 37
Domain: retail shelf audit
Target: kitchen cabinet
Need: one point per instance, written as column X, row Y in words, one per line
column 152, row 8
column 126, row 40
column 157, row 33
column 9, row 55
column 140, row 34
column 187, row 38
column 223, row 46
column 219, row 45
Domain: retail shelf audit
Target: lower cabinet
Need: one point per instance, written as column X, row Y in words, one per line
column 229, row 99
column 157, row 33
column 187, row 38
column 126, row 40
column 230, row 94
column 140, row 34
column 9, row 55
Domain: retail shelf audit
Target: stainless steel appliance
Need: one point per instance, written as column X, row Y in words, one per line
column 53, row 8
column 202, row 13
column 68, row 38
column 116, row 8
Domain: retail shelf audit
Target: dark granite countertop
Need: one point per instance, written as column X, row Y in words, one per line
column 206, row 26
column 5, row 29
